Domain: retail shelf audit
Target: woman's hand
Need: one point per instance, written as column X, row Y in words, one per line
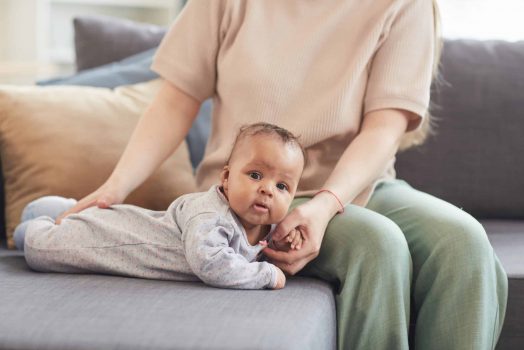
column 311, row 220
column 105, row 196
column 292, row 241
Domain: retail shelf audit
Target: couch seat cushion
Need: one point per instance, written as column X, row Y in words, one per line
column 507, row 238
column 108, row 311
column 67, row 311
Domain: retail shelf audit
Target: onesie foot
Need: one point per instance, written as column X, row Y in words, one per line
column 51, row 206
column 19, row 235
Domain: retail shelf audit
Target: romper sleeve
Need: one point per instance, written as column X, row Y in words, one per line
column 401, row 69
column 206, row 245
column 187, row 54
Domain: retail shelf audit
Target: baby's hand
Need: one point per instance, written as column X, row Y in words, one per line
column 292, row 241
column 281, row 279
column 295, row 239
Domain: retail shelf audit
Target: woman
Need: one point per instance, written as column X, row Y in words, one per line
column 353, row 79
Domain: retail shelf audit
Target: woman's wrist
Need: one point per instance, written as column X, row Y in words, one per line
column 327, row 202
column 117, row 186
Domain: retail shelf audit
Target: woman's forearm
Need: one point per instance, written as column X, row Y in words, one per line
column 160, row 130
column 366, row 157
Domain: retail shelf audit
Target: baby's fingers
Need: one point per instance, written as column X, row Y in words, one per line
column 291, row 236
column 297, row 241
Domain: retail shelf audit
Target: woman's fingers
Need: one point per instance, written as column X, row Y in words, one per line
column 293, row 268
column 103, row 203
column 68, row 212
column 288, row 257
column 81, row 205
column 281, row 256
column 290, row 222
column 308, row 235
column 103, row 197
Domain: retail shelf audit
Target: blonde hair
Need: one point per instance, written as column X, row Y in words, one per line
column 417, row 137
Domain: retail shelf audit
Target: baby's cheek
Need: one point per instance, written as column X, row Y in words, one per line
column 237, row 204
column 279, row 214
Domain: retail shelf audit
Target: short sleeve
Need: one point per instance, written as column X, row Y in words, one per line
column 401, row 70
column 187, row 55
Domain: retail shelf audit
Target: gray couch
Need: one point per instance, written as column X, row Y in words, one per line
column 472, row 162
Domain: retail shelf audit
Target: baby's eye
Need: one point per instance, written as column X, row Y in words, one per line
column 255, row 175
column 282, row 187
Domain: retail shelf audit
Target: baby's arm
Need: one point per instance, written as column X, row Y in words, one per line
column 206, row 245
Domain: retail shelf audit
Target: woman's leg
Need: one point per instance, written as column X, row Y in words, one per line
column 459, row 286
column 366, row 257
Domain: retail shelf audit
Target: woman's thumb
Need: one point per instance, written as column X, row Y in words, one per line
column 103, row 203
column 282, row 229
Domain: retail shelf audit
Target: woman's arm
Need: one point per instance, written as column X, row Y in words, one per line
column 160, row 130
column 365, row 158
column 360, row 164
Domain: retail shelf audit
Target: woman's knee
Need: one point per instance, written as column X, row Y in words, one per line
column 365, row 237
column 462, row 242
column 461, row 246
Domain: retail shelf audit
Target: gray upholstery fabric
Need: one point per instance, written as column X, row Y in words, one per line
column 2, row 206
column 475, row 160
column 101, row 39
column 507, row 238
column 62, row 311
column 102, row 312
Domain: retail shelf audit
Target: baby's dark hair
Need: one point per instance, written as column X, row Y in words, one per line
column 268, row 129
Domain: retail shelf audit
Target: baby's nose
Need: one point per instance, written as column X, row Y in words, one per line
column 265, row 189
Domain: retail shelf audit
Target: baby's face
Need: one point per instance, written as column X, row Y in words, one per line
column 262, row 178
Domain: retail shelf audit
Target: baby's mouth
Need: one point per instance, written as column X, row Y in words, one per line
column 261, row 207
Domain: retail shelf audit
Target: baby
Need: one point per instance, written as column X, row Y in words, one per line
column 215, row 236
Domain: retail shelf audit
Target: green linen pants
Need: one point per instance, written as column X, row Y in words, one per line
column 407, row 249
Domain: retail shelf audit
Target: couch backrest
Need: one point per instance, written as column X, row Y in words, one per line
column 476, row 159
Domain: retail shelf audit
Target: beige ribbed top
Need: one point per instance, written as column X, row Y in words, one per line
column 312, row 67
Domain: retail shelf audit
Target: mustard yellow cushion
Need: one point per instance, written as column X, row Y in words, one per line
column 66, row 140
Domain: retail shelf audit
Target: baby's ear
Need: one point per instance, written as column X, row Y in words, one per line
column 224, row 175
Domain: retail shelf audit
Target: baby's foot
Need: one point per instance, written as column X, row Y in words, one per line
column 19, row 235
column 51, row 206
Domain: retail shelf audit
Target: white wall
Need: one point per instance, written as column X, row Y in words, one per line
column 2, row 30
column 21, row 38
column 42, row 31
column 483, row 19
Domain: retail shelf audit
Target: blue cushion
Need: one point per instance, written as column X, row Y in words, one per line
column 132, row 70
